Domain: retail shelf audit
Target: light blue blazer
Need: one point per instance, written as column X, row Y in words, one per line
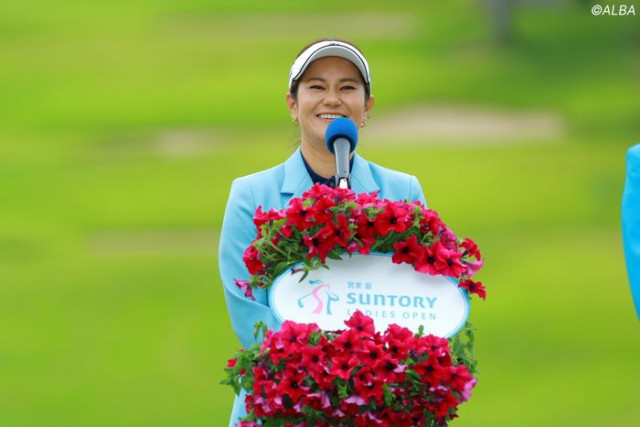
column 631, row 222
column 273, row 188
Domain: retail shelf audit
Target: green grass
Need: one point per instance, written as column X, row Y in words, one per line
column 122, row 337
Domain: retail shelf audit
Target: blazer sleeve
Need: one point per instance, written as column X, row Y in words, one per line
column 631, row 222
column 415, row 191
column 238, row 231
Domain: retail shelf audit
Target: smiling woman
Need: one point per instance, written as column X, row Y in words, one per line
column 331, row 87
column 328, row 79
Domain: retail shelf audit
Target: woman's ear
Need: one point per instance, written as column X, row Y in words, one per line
column 368, row 106
column 293, row 107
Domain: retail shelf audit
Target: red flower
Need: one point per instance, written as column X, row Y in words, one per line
column 394, row 217
column 319, row 191
column 431, row 222
column 251, row 259
column 372, row 352
column 442, row 401
column 314, row 358
column 292, row 384
column 398, row 340
column 264, row 390
column 342, row 365
column 368, row 199
column 321, row 243
column 348, row 341
column 298, row 215
column 474, row 288
column 429, row 374
column 368, row 386
column 427, row 262
column 448, row 239
column 363, row 325
column 472, row 267
column 448, row 260
column 388, row 369
column 341, row 230
column 286, row 230
column 244, row 286
column 321, row 210
column 436, row 346
column 457, row 377
column 316, row 401
column 288, row 341
column 368, row 419
column 471, row 249
column 408, row 251
column 261, row 217
column 365, row 232
column 465, row 394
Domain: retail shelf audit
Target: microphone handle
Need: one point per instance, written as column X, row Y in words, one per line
column 342, row 149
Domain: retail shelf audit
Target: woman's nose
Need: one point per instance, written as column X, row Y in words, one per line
column 332, row 98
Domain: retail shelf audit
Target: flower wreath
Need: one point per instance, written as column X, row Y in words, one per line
column 327, row 223
column 302, row 376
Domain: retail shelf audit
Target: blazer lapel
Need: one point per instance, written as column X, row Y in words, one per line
column 361, row 178
column 296, row 179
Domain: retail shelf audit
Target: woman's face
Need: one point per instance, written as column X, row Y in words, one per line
column 330, row 87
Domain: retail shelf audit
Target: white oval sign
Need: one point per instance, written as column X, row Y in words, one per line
column 386, row 292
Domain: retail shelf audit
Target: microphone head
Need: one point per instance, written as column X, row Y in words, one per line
column 341, row 128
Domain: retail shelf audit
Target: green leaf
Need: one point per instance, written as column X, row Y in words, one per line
column 343, row 389
column 388, row 395
column 260, row 327
column 462, row 348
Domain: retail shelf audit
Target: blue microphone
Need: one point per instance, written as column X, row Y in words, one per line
column 341, row 138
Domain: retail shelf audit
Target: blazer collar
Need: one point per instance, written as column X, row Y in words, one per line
column 361, row 178
column 296, row 179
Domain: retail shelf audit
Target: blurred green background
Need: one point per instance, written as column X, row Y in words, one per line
column 122, row 125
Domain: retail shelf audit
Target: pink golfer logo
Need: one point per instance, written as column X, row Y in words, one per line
column 319, row 294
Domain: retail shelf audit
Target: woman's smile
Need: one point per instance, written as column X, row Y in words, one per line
column 328, row 117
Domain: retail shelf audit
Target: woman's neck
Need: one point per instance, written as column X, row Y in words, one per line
column 320, row 159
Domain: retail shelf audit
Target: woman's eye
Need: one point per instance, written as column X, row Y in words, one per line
column 317, row 87
column 347, row 88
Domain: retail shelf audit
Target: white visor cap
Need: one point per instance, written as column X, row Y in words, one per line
column 330, row 48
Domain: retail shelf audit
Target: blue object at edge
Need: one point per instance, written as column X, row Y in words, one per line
column 631, row 223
